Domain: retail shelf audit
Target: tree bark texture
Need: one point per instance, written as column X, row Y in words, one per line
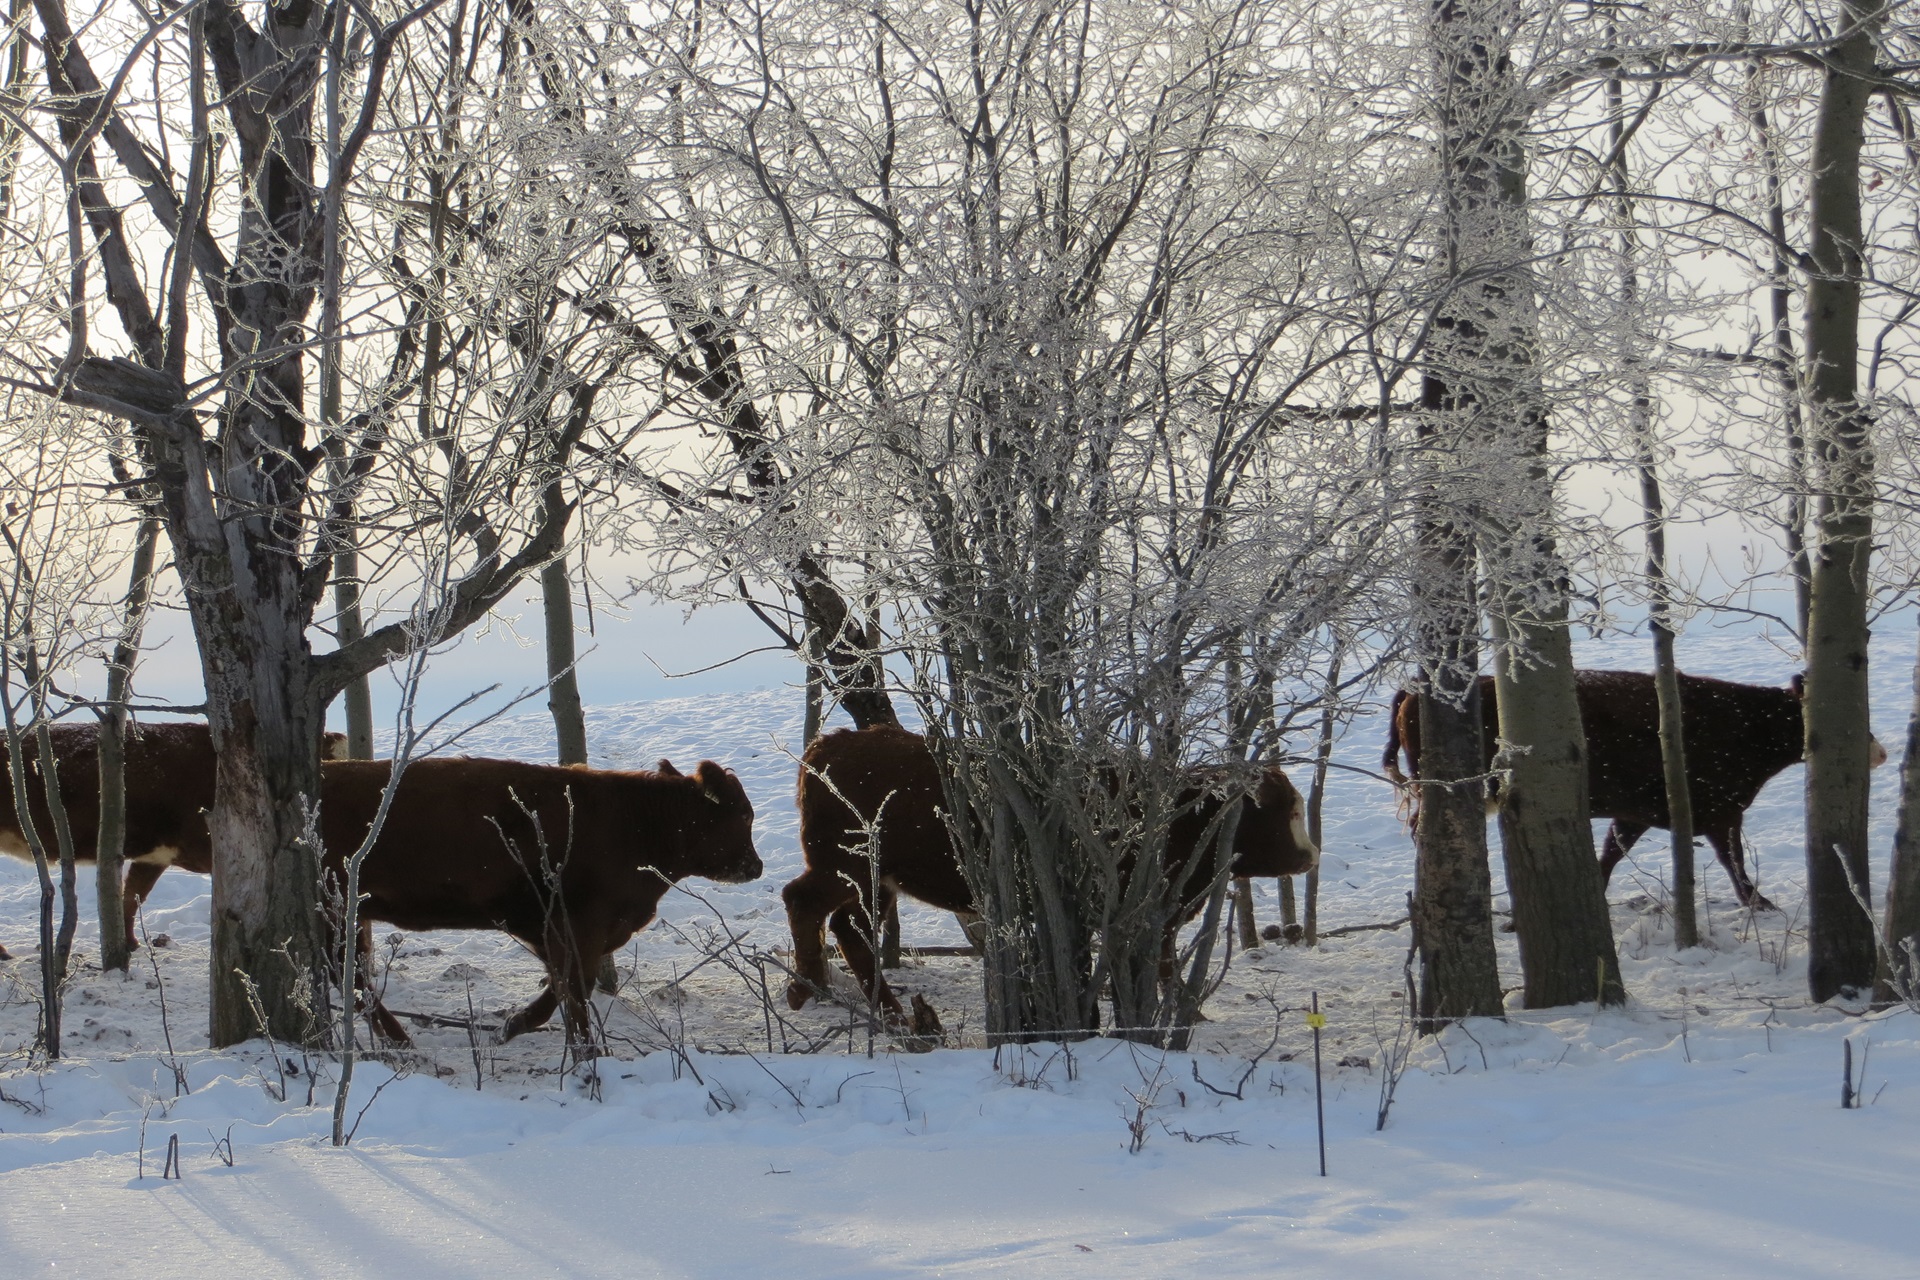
column 358, row 695
column 1673, row 761
column 1840, row 939
column 1453, row 899
column 110, row 844
column 1793, row 522
column 233, row 475
column 1666, row 676
column 1489, row 393
column 1900, row 961
column 563, row 688
column 1453, row 891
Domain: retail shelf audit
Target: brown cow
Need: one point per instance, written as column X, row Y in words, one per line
column 887, row 774
column 571, row 861
column 169, row 787
column 1737, row 737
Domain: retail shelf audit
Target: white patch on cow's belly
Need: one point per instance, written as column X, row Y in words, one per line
column 161, row 855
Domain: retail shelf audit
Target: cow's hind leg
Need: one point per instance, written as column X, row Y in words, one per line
column 1621, row 836
column 576, row 941
column 853, row 928
column 812, row 897
column 384, row 1024
column 1730, row 849
column 141, row 877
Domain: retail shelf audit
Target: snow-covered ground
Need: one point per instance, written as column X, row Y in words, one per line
column 1697, row 1132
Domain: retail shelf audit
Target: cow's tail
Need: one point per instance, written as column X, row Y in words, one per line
column 1406, row 794
column 1390, row 760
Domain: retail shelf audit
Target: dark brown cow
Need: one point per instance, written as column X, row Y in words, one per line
column 571, row 861
column 169, row 787
column 887, row 774
column 1737, row 737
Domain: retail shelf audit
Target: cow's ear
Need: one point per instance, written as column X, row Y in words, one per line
column 1799, row 685
column 713, row 781
column 666, row 770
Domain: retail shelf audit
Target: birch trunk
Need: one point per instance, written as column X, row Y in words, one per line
column 1840, row 941
column 1899, row 977
column 1489, row 393
column 1793, row 523
column 1666, row 676
column 1453, row 892
column 563, row 688
column 357, row 698
column 1316, row 796
column 110, row 844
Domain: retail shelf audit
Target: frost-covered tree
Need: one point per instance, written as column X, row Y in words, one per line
column 326, row 264
column 1070, row 315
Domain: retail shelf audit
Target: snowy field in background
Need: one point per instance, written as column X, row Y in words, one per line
column 1697, row 1132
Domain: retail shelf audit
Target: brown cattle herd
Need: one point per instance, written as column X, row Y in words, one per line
column 573, row 861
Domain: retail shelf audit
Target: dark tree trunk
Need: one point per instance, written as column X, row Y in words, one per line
column 1793, row 522
column 1900, row 962
column 1666, row 676
column 233, row 478
column 1559, row 899
column 1316, row 799
column 1486, row 383
column 110, row 843
column 563, row 689
column 1840, row 941
column 847, row 654
column 1453, row 890
column 358, row 695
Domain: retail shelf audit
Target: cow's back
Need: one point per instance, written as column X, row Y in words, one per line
column 1737, row 737
column 887, row 773
column 469, row 843
column 464, row 840
column 169, row 787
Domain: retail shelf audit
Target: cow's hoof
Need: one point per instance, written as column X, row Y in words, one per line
column 1759, row 902
column 798, row 993
column 5, row 954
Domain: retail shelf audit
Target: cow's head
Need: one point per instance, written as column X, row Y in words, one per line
column 719, row 831
column 1271, row 839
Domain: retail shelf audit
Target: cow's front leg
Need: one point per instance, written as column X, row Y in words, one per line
column 534, row 1015
column 810, row 899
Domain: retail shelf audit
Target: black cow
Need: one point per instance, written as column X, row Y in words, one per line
column 1737, row 737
